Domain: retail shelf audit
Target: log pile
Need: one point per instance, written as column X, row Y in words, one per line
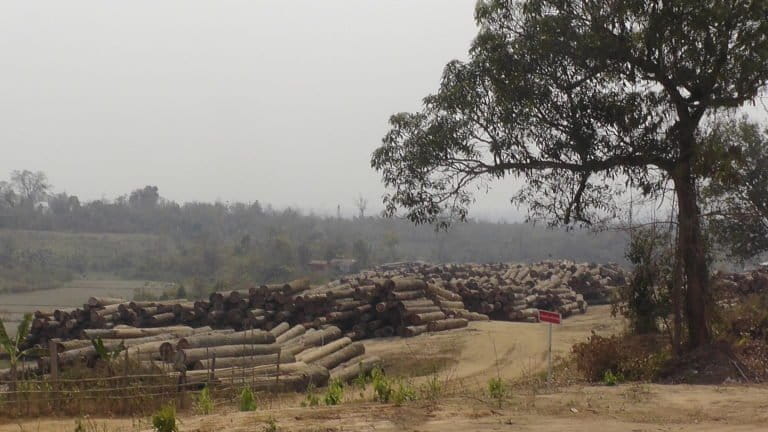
column 311, row 329
column 731, row 287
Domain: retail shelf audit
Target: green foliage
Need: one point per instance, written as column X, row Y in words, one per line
column 432, row 389
column 247, row 400
column 204, row 402
column 736, row 201
column 164, row 420
column 611, row 379
column 643, row 81
column 13, row 345
column 646, row 300
column 311, row 399
column 104, row 353
column 334, row 394
column 497, row 389
column 382, row 386
column 403, row 392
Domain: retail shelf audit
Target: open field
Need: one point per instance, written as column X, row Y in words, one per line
column 73, row 293
column 464, row 360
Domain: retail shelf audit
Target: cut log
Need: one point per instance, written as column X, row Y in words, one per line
column 312, row 354
column 446, row 324
column 340, row 356
column 352, row 369
column 228, row 362
column 190, row 355
column 247, row 337
column 423, row 318
column 293, row 333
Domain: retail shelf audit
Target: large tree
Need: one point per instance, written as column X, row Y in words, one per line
column 583, row 100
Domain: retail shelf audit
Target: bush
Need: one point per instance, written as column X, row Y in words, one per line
column 404, row 392
column 204, row 403
column 382, row 386
column 334, row 395
column 497, row 389
column 610, row 379
column 630, row 357
column 165, row 419
column 432, row 389
column 247, row 400
column 312, row 398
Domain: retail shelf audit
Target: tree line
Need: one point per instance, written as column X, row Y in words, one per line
column 239, row 243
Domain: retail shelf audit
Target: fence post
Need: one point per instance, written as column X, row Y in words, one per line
column 277, row 375
column 54, row 360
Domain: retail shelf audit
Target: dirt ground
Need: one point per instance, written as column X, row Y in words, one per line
column 463, row 361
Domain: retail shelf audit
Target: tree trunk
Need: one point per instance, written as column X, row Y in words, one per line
column 691, row 246
column 677, row 292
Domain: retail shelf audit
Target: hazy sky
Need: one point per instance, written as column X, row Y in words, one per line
column 280, row 101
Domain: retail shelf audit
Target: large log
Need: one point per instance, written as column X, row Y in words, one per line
column 355, row 367
column 340, row 356
column 135, row 332
column 312, row 354
column 191, row 355
column 446, row 324
column 245, row 361
column 423, row 318
column 247, row 337
column 293, row 333
column 104, row 301
column 73, row 355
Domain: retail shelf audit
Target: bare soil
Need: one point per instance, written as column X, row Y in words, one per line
column 463, row 361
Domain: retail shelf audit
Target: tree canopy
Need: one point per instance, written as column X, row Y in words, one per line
column 582, row 100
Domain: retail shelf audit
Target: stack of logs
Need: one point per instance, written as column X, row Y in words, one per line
column 729, row 288
column 301, row 324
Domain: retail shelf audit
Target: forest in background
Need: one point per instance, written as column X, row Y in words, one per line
column 48, row 238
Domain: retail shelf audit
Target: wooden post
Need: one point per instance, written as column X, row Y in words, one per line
column 54, row 360
column 277, row 375
column 549, row 357
column 212, row 374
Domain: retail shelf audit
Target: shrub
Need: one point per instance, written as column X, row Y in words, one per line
column 432, row 389
column 204, row 403
column 611, row 379
column 335, row 393
column 247, row 400
column 271, row 425
column 164, row 420
column 629, row 357
column 497, row 389
column 312, row 398
column 382, row 386
column 404, row 392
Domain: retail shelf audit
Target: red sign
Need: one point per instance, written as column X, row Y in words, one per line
column 550, row 317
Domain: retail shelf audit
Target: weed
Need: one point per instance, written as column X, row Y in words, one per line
column 382, row 386
column 204, row 402
column 334, row 395
column 432, row 389
column 164, row 420
column 312, row 398
column 404, row 392
column 271, row 425
column 247, row 400
column 497, row 389
column 611, row 379
column 84, row 424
